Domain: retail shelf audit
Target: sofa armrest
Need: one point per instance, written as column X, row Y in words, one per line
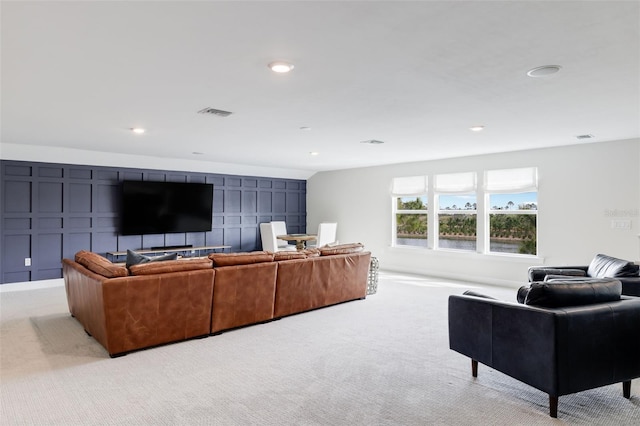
column 538, row 273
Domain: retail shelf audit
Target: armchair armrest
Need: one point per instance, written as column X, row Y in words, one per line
column 630, row 286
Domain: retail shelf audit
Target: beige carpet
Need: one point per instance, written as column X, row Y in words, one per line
column 381, row 361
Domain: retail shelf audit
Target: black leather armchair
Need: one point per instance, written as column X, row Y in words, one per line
column 602, row 266
column 559, row 350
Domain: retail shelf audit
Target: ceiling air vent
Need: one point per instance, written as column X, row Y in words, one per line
column 373, row 142
column 584, row 136
column 213, row 111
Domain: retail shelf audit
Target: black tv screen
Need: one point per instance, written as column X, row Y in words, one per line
column 165, row 207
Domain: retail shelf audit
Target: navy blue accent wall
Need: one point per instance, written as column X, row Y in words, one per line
column 50, row 211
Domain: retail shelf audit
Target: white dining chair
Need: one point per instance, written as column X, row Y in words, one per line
column 269, row 240
column 280, row 228
column 326, row 233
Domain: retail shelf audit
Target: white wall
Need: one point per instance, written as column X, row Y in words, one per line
column 582, row 188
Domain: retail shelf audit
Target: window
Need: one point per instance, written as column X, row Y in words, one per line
column 456, row 211
column 512, row 210
column 513, row 223
column 457, row 222
column 411, row 221
column 500, row 216
column 410, row 211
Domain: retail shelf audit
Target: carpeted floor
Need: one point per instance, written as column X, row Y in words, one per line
column 381, row 361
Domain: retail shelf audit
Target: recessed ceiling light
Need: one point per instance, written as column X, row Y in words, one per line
column 280, row 67
column 314, row 153
column 543, row 71
column 476, row 128
column 138, row 130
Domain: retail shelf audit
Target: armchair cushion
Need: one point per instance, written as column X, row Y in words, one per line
column 603, row 266
column 556, row 293
column 538, row 273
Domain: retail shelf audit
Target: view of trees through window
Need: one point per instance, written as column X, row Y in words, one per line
column 411, row 221
column 513, row 223
column 457, row 222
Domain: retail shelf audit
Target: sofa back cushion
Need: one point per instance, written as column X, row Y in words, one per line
column 603, row 266
column 288, row 255
column 341, row 249
column 560, row 293
column 100, row 265
column 180, row 265
column 231, row 259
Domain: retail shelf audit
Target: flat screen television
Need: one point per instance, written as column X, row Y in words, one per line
column 165, row 207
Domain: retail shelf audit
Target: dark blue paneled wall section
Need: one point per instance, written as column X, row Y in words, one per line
column 50, row 211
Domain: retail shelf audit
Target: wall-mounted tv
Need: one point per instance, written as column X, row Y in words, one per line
column 165, row 207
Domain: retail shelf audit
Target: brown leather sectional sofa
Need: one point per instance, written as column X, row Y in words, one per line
column 162, row 302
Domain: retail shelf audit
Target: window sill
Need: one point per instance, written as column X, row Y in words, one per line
column 506, row 257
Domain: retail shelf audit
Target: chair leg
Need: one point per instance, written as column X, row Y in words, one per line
column 626, row 389
column 553, row 406
column 474, row 368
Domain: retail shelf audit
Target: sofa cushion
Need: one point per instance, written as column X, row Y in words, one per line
column 341, row 249
column 311, row 252
column 100, row 265
column 559, row 293
column 134, row 258
column 288, row 255
column 603, row 266
column 231, row 259
column 180, row 265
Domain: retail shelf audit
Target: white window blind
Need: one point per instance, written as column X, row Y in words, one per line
column 455, row 183
column 409, row 185
column 512, row 180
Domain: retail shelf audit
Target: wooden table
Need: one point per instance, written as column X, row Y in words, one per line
column 300, row 239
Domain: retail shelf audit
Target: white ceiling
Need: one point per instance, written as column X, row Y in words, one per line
column 415, row 75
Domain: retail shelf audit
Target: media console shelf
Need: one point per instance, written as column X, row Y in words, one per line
column 184, row 252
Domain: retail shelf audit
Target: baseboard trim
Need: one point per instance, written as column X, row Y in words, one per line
column 31, row 285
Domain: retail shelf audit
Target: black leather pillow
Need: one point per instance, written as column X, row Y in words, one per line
column 559, row 293
column 134, row 258
column 522, row 293
column 603, row 266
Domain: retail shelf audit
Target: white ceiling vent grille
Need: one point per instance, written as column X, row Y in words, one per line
column 584, row 136
column 213, row 111
column 373, row 142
